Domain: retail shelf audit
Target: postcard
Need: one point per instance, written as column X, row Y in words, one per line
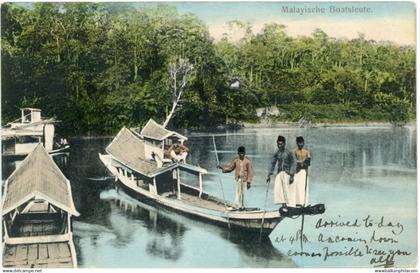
column 209, row 135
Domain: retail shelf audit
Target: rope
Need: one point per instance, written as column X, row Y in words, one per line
column 220, row 181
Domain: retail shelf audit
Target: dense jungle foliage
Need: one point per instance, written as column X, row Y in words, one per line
column 99, row 66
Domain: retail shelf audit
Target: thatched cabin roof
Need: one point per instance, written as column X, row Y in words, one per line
column 38, row 177
column 128, row 149
column 156, row 131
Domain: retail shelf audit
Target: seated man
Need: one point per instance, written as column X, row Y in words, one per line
column 178, row 153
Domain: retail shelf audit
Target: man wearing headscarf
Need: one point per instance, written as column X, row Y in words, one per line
column 284, row 188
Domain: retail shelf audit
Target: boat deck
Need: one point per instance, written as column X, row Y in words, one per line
column 200, row 202
column 46, row 255
column 208, row 204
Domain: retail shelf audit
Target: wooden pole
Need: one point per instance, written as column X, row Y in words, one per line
column 200, row 183
column 154, row 186
column 69, row 229
column 265, row 204
column 303, row 215
column 73, row 251
column 178, row 184
column 6, row 234
column 221, row 185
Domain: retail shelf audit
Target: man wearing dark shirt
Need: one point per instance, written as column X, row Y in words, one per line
column 243, row 176
column 284, row 189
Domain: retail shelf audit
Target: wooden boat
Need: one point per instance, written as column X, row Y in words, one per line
column 160, row 222
column 129, row 158
column 21, row 136
column 37, row 210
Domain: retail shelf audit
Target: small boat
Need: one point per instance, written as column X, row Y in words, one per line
column 131, row 158
column 21, row 136
column 37, row 210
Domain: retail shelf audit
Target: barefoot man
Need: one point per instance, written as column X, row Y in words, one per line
column 284, row 188
column 243, row 176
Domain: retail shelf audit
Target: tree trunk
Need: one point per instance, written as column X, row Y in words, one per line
column 171, row 113
column 181, row 70
column 135, row 64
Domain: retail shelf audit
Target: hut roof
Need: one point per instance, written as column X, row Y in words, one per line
column 38, row 177
column 156, row 131
column 128, row 149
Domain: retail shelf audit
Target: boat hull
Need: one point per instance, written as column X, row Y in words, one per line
column 251, row 222
column 23, row 154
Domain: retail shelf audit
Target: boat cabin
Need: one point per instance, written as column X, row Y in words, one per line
column 37, row 211
column 28, row 116
column 130, row 156
column 20, row 137
column 31, row 115
column 158, row 139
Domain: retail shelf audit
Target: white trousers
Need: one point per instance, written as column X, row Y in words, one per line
column 301, row 196
column 239, row 194
column 284, row 192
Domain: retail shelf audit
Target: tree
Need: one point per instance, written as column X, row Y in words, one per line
column 179, row 75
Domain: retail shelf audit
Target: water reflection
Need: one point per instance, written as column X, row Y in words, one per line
column 166, row 233
column 260, row 252
column 369, row 163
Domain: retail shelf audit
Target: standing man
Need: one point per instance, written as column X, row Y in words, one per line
column 303, row 159
column 243, row 176
column 284, row 188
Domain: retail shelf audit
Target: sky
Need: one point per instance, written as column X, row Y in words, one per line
column 380, row 21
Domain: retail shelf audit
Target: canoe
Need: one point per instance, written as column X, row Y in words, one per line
column 162, row 186
column 37, row 211
column 206, row 207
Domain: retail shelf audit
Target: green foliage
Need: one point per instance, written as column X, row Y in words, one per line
column 329, row 113
column 99, row 66
column 397, row 110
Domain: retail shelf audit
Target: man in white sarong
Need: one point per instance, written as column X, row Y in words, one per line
column 284, row 188
column 303, row 161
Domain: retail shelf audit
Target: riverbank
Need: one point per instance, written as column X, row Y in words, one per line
column 273, row 124
column 288, row 124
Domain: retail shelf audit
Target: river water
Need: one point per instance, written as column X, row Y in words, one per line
column 366, row 177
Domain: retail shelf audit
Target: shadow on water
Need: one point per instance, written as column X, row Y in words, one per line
column 167, row 232
column 158, row 227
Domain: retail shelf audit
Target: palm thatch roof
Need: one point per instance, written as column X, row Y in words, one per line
column 38, row 177
column 156, row 131
column 128, row 149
